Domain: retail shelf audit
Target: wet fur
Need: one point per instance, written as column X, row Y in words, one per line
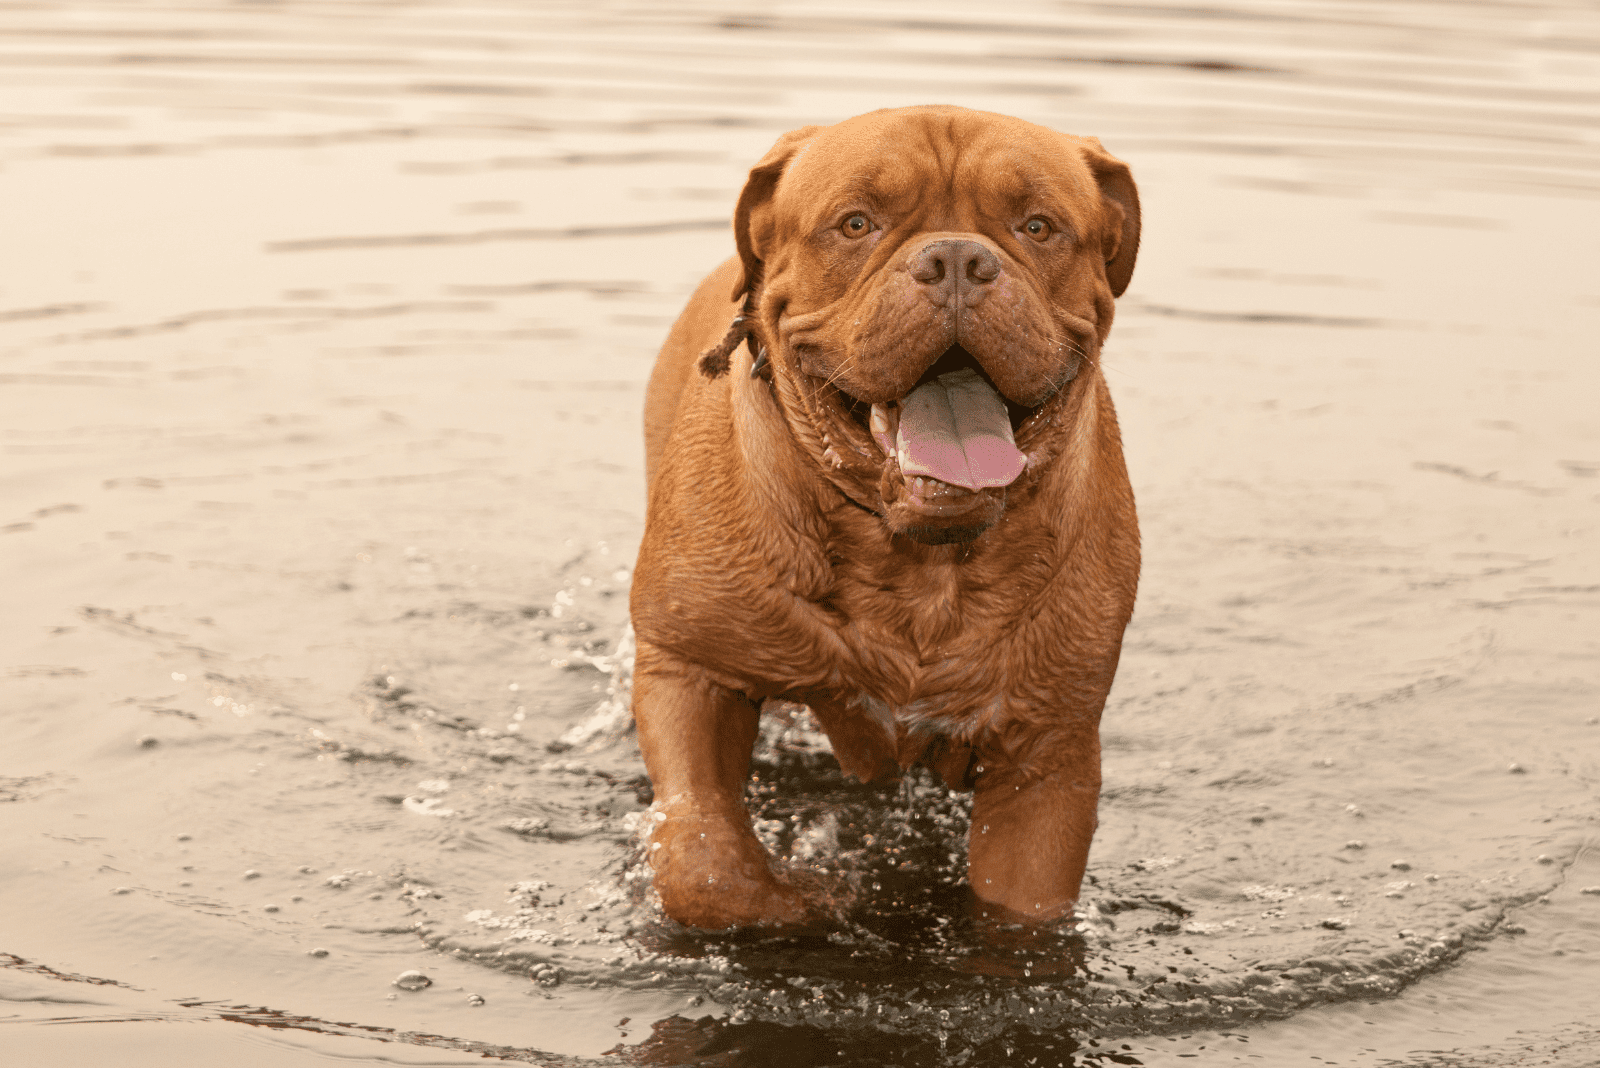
column 774, row 561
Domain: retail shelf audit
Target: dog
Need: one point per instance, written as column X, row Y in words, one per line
column 886, row 482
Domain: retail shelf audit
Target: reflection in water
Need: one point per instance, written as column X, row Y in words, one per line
column 322, row 334
column 679, row 1041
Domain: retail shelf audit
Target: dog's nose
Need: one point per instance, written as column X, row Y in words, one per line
column 953, row 267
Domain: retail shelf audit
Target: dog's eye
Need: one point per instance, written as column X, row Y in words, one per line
column 857, row 225
column 1037, row 228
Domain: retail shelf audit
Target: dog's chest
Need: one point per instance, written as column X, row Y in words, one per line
column 954, row 713
column 923, row 654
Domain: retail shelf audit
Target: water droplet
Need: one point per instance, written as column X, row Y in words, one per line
column 412, row 980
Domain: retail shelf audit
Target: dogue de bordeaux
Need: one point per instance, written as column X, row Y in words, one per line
column 892, row 490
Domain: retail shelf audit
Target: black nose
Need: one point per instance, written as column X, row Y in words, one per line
column 954, row 270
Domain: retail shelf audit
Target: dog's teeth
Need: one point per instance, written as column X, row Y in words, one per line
column 832, row 457
column 932, row 487
column 882, row 430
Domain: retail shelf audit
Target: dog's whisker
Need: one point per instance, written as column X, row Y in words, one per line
column 838, row 372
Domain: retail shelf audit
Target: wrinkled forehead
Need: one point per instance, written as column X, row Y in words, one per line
column 914, row 156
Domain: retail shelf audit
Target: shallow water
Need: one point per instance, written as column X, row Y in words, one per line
column 323, row 332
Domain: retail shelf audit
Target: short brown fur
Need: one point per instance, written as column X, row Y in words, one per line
column 781, row 556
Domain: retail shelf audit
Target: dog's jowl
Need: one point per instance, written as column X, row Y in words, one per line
column 893, row 490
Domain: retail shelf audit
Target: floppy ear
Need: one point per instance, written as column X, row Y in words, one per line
column 751, row 219
column 1122, row 199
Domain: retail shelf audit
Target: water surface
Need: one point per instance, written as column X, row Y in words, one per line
column 323, row 334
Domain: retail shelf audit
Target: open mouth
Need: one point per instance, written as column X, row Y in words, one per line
column 952, row 435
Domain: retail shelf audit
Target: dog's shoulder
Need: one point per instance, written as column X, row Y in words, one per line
column 701, row 324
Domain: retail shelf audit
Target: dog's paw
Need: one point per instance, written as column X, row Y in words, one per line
column 714, row 874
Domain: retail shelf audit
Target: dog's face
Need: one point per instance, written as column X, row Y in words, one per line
column 929, row 280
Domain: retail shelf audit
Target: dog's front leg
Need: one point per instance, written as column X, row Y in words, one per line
column 1031, row 829
column 696, row 736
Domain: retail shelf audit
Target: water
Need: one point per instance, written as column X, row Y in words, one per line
column 323, row 332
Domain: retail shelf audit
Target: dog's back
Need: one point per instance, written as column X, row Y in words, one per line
column 701, row 324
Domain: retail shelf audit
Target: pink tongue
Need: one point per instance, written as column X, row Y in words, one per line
column 956, row 429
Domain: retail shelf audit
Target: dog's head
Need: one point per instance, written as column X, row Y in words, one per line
column 928, row 281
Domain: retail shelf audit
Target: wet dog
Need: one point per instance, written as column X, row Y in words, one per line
column 893, row 491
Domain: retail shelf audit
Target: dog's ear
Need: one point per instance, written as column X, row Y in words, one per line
column 752, row 220
column 1122, row 199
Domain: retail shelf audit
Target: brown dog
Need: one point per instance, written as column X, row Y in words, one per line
column 908, row 511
